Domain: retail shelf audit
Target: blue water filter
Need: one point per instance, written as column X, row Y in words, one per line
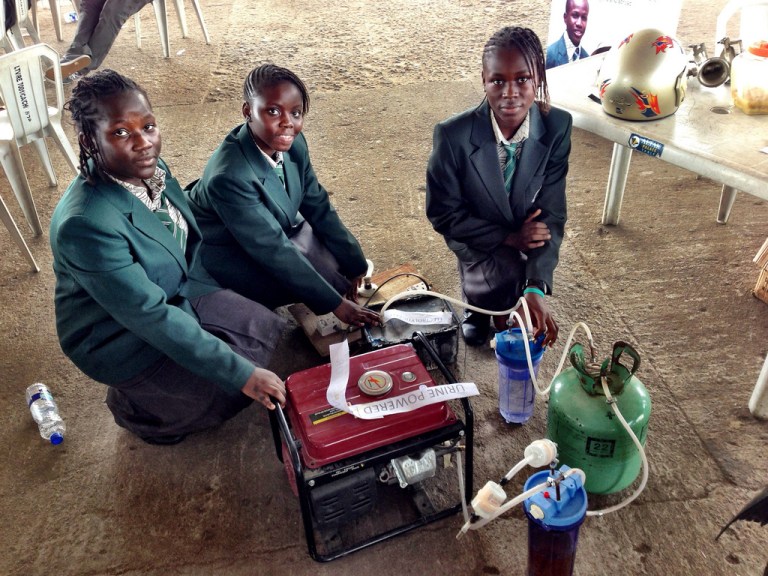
column 554, row 518
column 516, row 390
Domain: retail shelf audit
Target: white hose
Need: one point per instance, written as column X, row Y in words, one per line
column 463, row 498
column 545, row 391
column 643, row 457
column 511, row 312
column 578, row 471
column 512, row 503
column 517, row 500
column 410, row 293
column 542, row 392
column 516, row 468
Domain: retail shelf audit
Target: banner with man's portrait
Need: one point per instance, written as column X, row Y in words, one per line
column 577, row 28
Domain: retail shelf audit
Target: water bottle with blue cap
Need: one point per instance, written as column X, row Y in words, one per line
column 45, row 413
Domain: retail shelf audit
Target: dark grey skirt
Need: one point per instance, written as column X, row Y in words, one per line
column 166, row 402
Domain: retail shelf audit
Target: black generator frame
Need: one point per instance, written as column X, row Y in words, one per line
column 282, row 435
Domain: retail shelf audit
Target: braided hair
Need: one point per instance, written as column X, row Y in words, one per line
column 268, row 75
column 528, row 44
column 89, row 92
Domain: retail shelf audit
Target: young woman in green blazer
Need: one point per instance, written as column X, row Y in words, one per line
column 269, row 229
column 134, row 308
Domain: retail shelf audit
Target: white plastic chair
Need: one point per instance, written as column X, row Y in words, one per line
column 16, row 236
column 161, row 15
column 29, row 116
column 23, row 18
column 55, row 14
column 5, row 41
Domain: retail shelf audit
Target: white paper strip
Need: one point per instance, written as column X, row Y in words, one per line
column 413, row 400
column 418, row 318
column 336, row 393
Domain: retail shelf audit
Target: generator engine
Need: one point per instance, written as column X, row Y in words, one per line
column 360, row 481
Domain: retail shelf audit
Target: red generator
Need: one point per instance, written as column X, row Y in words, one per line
column 359, row 481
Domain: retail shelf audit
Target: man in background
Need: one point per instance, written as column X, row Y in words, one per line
column 98, row 24
column 568, row 47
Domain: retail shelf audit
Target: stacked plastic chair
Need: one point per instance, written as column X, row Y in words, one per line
column 55, row 13
column 30, row 115
column 23, row 20
column 161, row 15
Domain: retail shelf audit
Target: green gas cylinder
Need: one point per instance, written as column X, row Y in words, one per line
column 583, row 425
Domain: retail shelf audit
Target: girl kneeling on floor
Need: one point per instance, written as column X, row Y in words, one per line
column 269, row 230
column 135, row 310
column 496, row 186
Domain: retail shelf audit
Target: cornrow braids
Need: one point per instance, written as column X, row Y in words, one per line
column 527, row 42
column 88, row 93
column 268, row 75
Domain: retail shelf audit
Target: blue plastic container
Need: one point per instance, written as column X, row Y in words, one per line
column 516, row 390
column 553, row 525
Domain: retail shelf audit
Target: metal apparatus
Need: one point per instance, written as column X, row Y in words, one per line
column 359, row 481
column 444, row 338
column 753, row 27
column 584, row 427
column 715, row 71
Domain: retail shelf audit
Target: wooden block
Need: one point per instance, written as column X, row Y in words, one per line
column 308, row 322
column 391, row 282
column 761, row 288
column 761, row 258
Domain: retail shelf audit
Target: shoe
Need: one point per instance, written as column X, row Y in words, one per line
column 74, row 77
column 69, row 67
column 475, row 328
column 164, row 440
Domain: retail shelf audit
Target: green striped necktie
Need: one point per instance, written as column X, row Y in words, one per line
column 165, row 217
column 280, row 172
column 509, row 167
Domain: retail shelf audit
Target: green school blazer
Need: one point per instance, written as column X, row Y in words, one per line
column 246, row 217
column 123, row 286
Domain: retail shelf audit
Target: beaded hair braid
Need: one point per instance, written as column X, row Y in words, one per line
column 529, row 45
column 84, row 107
column 268, row 75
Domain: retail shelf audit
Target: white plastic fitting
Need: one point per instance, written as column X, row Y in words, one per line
column 541, row 452
column 489, row 498
column 368, row 287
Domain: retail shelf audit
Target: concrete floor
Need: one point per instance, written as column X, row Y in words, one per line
column 668, row 279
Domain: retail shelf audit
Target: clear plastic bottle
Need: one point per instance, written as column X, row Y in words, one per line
column 45, row 413
column 749, row 79
column 516, row 391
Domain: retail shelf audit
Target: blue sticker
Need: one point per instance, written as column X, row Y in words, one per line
column 646, row 145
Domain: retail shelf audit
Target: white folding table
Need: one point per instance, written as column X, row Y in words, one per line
column 724, row 147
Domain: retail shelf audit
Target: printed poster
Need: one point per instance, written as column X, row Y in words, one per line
column 590, row 25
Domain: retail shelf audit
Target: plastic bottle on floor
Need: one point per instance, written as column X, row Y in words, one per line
column 45, row 413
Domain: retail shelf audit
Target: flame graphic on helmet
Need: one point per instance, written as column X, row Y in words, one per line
column 626, row 40
column 662, row 43
column 604, row 87
column 647, row 103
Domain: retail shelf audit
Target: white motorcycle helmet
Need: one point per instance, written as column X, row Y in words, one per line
column 644, row 77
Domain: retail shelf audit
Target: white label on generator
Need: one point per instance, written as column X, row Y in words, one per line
column 419, row 318
column 413, row 400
